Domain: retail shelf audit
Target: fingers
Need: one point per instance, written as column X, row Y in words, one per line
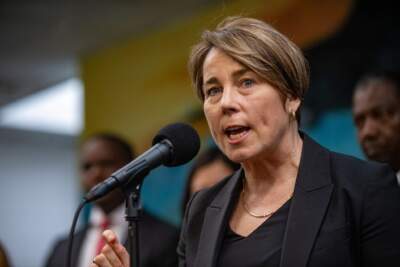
column 115, row 252
column 101, row 260
column 111, row 256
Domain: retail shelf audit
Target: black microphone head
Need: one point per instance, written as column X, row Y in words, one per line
column 185, row 142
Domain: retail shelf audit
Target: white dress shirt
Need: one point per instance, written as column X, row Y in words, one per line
column 117, row 224
column 398, row 177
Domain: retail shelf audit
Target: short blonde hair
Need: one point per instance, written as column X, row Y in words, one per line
column 259, row 47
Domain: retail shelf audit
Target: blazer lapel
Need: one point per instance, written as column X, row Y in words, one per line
column 309, row 204
column 215, row 222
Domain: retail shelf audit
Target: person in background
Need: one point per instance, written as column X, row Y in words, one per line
column 101, row 155
column 293, row 203
column 376, row 113
column 4, row 262
column 209, row 168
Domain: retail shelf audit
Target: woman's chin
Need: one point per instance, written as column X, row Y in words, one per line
column 237, row 156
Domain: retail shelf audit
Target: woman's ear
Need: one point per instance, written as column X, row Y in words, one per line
column 292, row 104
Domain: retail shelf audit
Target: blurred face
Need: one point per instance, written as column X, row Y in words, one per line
column 99, row 159
column 246, row 116
column 209, row 175
column 376, row 112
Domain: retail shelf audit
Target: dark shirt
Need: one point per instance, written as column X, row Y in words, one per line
column 262, row 248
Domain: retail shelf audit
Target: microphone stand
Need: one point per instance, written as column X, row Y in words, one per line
column 133, row 211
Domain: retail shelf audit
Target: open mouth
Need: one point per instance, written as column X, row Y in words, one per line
column 236, row 132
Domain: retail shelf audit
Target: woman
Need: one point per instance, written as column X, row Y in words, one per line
column 293, row 203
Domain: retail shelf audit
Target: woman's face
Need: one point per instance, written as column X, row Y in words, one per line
column 246, row 115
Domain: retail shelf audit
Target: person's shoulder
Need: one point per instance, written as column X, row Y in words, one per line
column 4, row 261
column 59, row 247
column 347, row 169
column 359, row 172
column 62, row 240
column 347, row 163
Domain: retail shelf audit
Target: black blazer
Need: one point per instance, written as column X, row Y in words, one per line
column 344, row 212
column 157, row 241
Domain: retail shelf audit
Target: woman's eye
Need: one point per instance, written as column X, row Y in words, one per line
column 247, row 82
column 213, row 91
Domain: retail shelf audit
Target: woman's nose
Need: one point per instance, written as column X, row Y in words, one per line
column 229, row 101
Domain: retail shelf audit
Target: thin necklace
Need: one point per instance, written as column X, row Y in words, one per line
column 246, row 208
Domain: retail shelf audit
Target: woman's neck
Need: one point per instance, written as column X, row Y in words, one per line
column 275, row 168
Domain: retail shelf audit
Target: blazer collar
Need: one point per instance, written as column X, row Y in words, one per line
column 314, row 170
column 309, row 204
column 215, row 221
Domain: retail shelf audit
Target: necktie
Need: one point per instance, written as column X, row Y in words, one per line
column 101, row 242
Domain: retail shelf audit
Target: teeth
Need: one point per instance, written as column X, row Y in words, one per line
column 236, row 135
column 236, row 131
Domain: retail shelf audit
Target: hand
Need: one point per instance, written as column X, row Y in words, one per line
column 113, row 254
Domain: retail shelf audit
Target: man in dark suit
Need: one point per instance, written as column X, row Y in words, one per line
column 376, row 112
column 101, row 155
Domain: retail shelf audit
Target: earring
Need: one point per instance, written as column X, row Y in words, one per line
column 293, row 114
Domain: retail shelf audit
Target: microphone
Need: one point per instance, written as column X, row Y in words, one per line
column 174, row 145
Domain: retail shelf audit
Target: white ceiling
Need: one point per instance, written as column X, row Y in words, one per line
column 40, row 40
